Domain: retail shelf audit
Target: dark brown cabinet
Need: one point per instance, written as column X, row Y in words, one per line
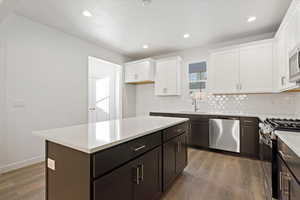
column 132, row 170
column 139, row 179
column 150, row 176
column 249, row 137
column 288, row 173
column 174, row 159
column 288, row 187
column 116, row 185
column 199, row 135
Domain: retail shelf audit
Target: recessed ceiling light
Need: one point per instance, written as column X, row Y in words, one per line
column 251, row 19
column 145, row 46
column 186, row 35
column 87, row 13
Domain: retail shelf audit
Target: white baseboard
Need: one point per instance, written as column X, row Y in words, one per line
column 21, row 164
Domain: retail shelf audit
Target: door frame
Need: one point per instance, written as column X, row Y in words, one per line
column 3, row 91
column 120, row 87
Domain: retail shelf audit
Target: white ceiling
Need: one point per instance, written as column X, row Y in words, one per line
column 125, row 25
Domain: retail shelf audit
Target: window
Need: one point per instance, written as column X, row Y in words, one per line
column 198, row 76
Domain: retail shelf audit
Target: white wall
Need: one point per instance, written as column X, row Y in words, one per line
column 146, row 101
column 46, row 83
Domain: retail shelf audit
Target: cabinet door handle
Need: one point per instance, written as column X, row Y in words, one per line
column 141, row 172
column 286, row 189
column 137, row 175
column 280, row 181
column 282, row 80
column 139, row 148
column 178, row 146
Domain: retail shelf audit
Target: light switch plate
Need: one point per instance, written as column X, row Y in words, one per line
column 51, row 164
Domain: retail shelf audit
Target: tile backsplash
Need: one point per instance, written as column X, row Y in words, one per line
column 282, row 103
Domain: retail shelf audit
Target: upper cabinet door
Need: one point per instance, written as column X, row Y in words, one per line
column 281, row 61
column 226, row 71
column 167, row 78
column 287, row 39
column 256, row 68
column 139, row 71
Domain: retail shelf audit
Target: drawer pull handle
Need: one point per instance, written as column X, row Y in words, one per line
column 179, row 130
column 248, row 121
column 139, row 148
column 178, row 146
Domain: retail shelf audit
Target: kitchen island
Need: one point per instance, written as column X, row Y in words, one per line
column 134, row 158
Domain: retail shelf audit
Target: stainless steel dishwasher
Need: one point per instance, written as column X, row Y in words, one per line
column 224, row 134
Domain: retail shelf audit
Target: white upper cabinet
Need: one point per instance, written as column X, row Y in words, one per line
column 286, row 40
column 256, row 68
column 167, row 78
column 246, row 68
column 141, row 71
column 225, row 71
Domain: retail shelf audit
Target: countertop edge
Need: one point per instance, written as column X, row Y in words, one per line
column 106, row 146
column 288, row 143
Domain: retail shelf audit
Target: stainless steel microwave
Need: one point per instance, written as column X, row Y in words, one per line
column 294, row 65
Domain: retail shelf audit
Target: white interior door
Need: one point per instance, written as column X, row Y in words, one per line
column 2, row 106
column 105, row 101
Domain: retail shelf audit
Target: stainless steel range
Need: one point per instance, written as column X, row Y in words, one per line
column 268, row 148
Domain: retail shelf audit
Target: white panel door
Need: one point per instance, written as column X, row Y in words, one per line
column 167, row 80
column 226, row 71
column 256, row 68
column 3, row 114
column 105, row 98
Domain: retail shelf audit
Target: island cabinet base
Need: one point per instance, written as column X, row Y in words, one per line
column 138, row 169
column 70, row 175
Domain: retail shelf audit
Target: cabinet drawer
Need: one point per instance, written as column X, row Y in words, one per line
column 290, row 158
column 249, row 121
column 109, row 159
column 174, row 131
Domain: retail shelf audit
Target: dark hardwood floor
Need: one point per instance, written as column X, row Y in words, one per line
column 209, row 176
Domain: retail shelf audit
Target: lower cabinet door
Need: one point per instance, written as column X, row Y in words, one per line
column 249, row 141
column 288, row 187
column 119, row 184
column 169, row 163
column 140, row 179
column 149, row 187
column 174, row 159
column 181, row 153
column 294, row 189
column 199, row 136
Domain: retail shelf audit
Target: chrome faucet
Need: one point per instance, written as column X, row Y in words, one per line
column 195, row 104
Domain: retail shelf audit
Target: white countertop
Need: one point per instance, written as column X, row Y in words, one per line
column 93, row 137
column 291, row 139
column 241, row 114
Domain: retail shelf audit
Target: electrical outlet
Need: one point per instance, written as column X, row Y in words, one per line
column 51, row 164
